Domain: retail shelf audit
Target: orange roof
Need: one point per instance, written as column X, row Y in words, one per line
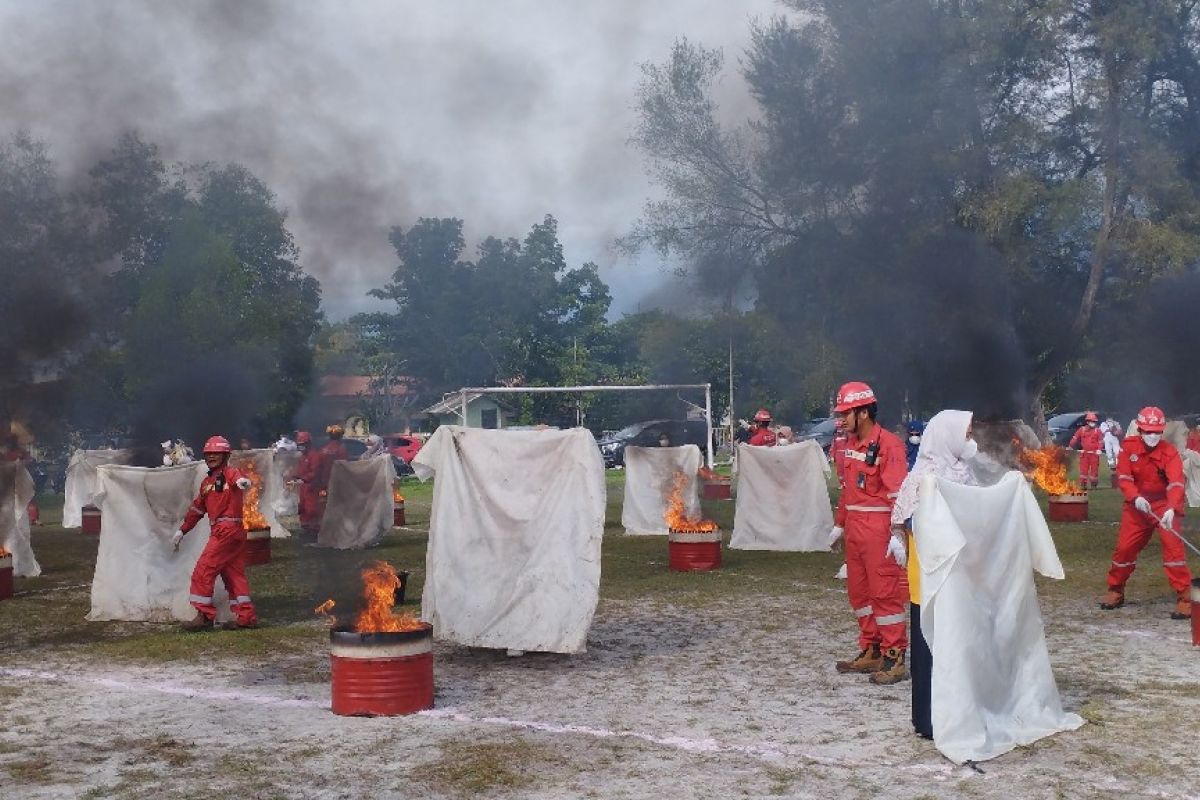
column 353, row 385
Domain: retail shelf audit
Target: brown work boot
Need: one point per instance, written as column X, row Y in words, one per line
column 1183, row 606
column 869, row 660
column 198, row 623
column 893, row 669
column 234, row 625
column 1115, row 598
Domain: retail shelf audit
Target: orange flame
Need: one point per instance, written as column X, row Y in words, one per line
column 380, row 583
column 396, row 496
column 325, row 610
column 676, row 518
column 252, row 518
column 4, row 553
column 1047, row 466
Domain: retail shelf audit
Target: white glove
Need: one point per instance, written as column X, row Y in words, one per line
column 1168, row 517
column 835, row 534
column 1142, row 505
column 841, row 573
column 243, row 483
column 176, row 539
column 896, row 550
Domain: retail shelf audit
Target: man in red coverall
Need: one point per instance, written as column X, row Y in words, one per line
column 333, row 451
column 1150, row 475
column 873, row 468
column 1091, row 440
column 762, row 435
column 307, row 473
column 220, row 498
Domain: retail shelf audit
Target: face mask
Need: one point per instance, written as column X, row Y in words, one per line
column 971, row 450
column 1093, row 424
column 915, row 439
column 1151, row 439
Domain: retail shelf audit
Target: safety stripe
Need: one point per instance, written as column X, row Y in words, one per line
column 876, row 509
column 195, row 598
column 199, row 511
column 1124, row 477
column 890, row 619
column 1174, row 563
column 1126, row 564
column 1180, row 485
column 229, row 519
column 893, row 495
column 857, row 456
column 865, row 611
column 243, row 598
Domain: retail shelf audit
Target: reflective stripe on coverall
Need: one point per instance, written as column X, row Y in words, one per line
column 877, row 586
column 1157, row 475
column 224, row 555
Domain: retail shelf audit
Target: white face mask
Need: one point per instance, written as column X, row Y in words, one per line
column 971, row 450
column 1151, row 439
column 915, row 439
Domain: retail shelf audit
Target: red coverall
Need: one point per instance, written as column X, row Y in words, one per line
column 1089, row 459
column 221, row 500
column 876, row 584
column 1157, row 475
column 308, row 472
column 762, row 437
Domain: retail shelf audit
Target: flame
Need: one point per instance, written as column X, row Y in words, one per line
column 707, row 474
column 4, row 553
column 380, row 583
column 252, row 518
column 676, row 518
column 325, row 610
column 1047, row 466
column 396, row 496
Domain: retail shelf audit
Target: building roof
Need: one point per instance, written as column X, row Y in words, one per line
column 451, row 403
column 354, row 385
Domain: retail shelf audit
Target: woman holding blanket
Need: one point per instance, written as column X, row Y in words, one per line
column 946, row 444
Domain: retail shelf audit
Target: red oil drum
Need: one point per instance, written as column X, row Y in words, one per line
column 258, row 547
column 716, row 488
column 91, row 520
column 693, row 552
column 6, row 577
column 398, row 514
column 1068, row 508
column 1195, row 612
column 34, row 512
column 381, row 674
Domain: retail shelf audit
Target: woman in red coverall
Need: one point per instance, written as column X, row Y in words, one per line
column 220, row 498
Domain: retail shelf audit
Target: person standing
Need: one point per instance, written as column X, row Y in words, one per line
column 220, row 498
column 762, row 435
column 946, row 446
column 1091, row 442
column 871, row 474
column 1150, row 475
column 1111, row 430
column 912, row 444
column 307, row 473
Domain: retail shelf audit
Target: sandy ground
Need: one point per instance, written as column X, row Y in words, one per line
column 737, row 700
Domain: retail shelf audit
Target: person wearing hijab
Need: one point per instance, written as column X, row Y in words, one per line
column 912, row 442
column 374, row 447
column 946, row 446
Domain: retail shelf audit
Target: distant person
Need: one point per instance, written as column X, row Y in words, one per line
column 220, row 497
column 1111, row 430
column 245, row 444
column 1193, row 439
column 837, row 449
column 307, row 473
column 1150, row 475
column 912, row 441
column 284, row 444
column 664, row 439
column 1091, row 443
column 761, row 434
column 375, row 447
column 784, row 436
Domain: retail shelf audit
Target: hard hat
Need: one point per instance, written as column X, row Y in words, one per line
column 1151, row 420
column 217, row 444
column 303, row 437
column 336, row 431
column 1090, row 417
column 854, row 394
column 762, row 416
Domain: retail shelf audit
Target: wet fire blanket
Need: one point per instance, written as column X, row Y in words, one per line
column 649, row 476
column 359, row 510
column 782, row 499
column 80, row 489
column 514, row 538
column 993, row 688
column 16, row 490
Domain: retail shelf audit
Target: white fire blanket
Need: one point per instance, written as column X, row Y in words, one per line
column 649, row 476
column 81, row 481
column 16, row 490
column 285, row 499
column 359, row 509
column 138, row 575
column 271, row 485
column 993, row 688
column 514, row 538
column 782, row 499
column 1176, row 433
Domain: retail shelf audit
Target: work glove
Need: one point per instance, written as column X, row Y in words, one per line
column 243, row 483
column 1168, row 517
column 841, row 573
column 176, row 539
column 896, row 550
column 835, row 534
column 1142, row 505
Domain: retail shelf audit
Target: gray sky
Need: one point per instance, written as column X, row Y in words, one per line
column 365, row 114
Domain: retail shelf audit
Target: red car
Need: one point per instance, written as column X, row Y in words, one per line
column 403, row 446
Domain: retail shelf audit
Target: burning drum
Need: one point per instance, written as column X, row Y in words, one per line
column 6, row 575
column 1069, row 507
column 398, row 520
column 693, row 551
column 381, row 674
column 258, row 546
column 91, row 520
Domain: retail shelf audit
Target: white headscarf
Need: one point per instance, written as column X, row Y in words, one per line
column 941, row 454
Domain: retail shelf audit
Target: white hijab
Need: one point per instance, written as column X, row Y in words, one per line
column 941, row 452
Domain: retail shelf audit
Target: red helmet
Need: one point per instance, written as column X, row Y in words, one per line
column 217, row 444
column 854, row 394
column 762, row 416
column 1090, row 417
column 1151, row 420
column 303, row 437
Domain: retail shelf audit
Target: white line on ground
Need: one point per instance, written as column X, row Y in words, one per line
column 53, row 589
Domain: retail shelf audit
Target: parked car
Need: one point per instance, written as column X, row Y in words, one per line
column 820, row 432
column 1062, row 426
column 403, row 445
column 356, row 447
column 645, row 434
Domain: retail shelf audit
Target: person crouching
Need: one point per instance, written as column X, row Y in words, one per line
column 220, row 498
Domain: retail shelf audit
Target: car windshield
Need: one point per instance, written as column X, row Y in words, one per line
column 1062, row 420
column 629, row 431
column 826, row 426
